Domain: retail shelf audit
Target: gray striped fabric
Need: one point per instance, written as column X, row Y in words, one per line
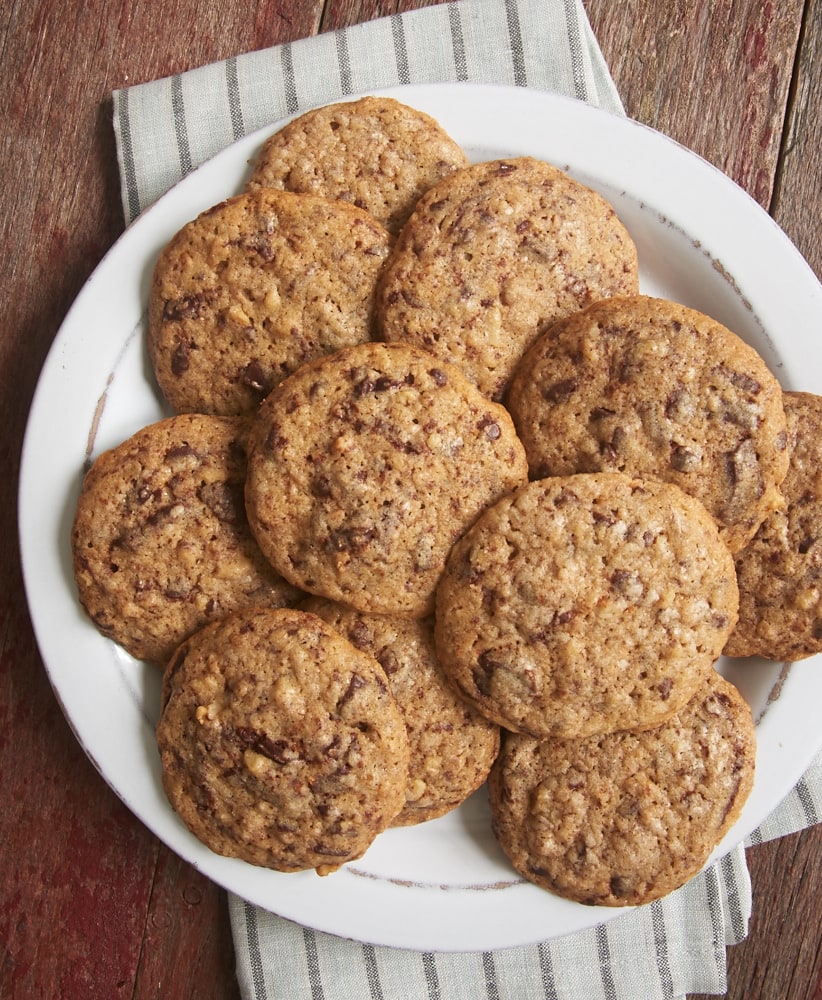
column 163, row 129
column 167, row 127
column 667, row 949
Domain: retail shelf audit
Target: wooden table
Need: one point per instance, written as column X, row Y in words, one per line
column 91, row 905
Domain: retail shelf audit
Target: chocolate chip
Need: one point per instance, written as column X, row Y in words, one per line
column 683, row 459
column 352, row 539
column 186, row 307
column 490, row 426
column 620, row 886
column 253, row 739
column 180, row 358
column 483, row 673
column 560, row 391
column 224, row 500
column 354, row 685
column 174, row 454
column 253, row 377
column 743, row 381
column 664, row 688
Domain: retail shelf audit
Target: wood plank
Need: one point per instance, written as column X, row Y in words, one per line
column 74, row 859
column 786, row 875
column 343, row 13
column 797, row 201
column 75, row 862
column 732, row 61
column 188, row 952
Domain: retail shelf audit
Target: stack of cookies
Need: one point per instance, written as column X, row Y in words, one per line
column 444, row 499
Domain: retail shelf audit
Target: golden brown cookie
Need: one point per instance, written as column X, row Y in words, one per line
column 780, row 570
column 624, row 819
column 366, row 466
column 493, row 253
column 280, row 741
column 375, row 152
column 160, row 540
column 585, row 604
column 452, row 746
column 651, row 388
column 253, row 288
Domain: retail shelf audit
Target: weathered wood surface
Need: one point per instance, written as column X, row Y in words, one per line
column 91, row 905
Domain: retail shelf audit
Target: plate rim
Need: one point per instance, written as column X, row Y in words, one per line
column 153, row 219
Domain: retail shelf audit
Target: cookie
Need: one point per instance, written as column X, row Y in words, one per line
column 452, row 747
column 493, row 253
column 253, row 288
column 375, row 153
column 160, row 540
column 623, row 819
column 651, row 388
column 585, row 604
column 364, row 469
column 280, row 742
column 780, row 570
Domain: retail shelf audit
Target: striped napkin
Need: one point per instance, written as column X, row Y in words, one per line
column 664, row 950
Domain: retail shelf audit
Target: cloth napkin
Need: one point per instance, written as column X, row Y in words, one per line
column 664, row 950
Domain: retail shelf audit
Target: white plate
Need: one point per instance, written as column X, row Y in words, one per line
column 444, row 885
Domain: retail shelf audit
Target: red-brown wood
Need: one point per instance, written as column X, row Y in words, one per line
column 91, row 905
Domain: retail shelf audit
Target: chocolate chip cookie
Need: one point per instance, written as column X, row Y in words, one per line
column 253, row 288
column 493, row 253
column 624, row 819
column 280, row 741
column 376, row 153
column 780, row 570
column 161, row 543
column 581, row 605
column 366, row 466
column 452, row 746
column 651, row 388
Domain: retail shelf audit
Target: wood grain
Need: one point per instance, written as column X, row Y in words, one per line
column 797, row 200
column 731, row 62
column 76, row 867
column 786, row 875
column 343, row 13
column 91, row 905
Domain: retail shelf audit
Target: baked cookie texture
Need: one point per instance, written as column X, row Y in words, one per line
column 654, row 389
column 376, row 153
column 160, row 541
column 280, row 741
column 780, row 570
column 366, row 466
column 452, row 746
column 253, row 288
column 493, row 253
column 623, row 819
column 585, row 604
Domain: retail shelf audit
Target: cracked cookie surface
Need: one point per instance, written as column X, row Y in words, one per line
column 254, row 287
column 585, row 604
column 780, row 570
column 651, row 388
column 364, row 469
column 452, row 746
column 623, row 819
column 280, row 741
column 492, row 254
column 376, row 153
column 160, row 541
